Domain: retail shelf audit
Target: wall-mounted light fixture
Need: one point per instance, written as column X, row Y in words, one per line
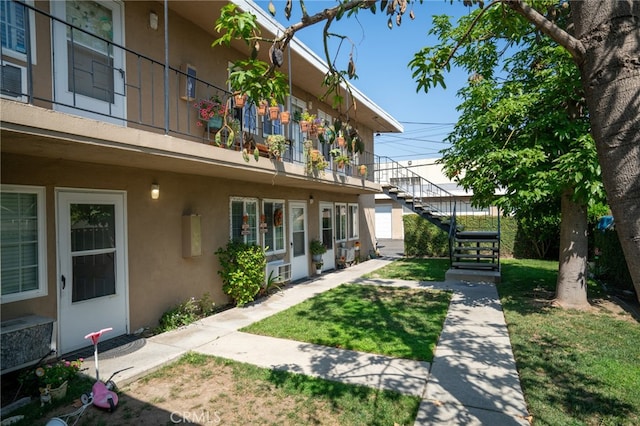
column 310, row 199
column 155, row 191
column 153, row 20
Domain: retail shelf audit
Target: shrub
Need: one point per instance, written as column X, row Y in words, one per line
column 186, row 312
column 242, row 270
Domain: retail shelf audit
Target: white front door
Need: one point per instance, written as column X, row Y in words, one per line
column 298, row 239
column 92, row 272
column 326, row 225
column 89, row 72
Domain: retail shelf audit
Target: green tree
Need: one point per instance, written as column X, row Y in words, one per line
column 523, row 129
column 603, row 43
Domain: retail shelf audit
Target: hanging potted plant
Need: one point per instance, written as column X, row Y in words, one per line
column 276, row 145
column 317, row 250
column 262, row 107
column 274, row 110
column 239, row 99
column 210, row 112
column 362, row 169
column 340, row 140
column 285, row 117
column 305, row 121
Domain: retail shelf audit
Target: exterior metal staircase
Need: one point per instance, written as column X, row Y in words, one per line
column 468, row 250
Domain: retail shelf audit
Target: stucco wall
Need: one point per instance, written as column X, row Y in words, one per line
column 159, row 276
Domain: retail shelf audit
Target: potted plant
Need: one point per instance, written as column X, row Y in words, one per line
column 276, row 145
column 239, row 99
column 274, row 110
column 317, row 250
column 285, row 117
column 305, row 121
column 210, row 112
column 54, row 377
column 262, row 107
column 319, row 267
column 339, row 157
column 362, row 169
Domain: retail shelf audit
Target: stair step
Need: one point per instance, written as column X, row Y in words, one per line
column 474, row 265
column 475, row 256
column 458, row 240
column 478, row 235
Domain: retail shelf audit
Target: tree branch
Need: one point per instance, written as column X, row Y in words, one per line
column 563, row 38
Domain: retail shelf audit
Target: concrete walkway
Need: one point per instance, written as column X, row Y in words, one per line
column 472, row 379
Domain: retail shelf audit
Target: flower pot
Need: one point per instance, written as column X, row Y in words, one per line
column 59, row 392
column 304, row 126
column 316, row 257
column 214, row 122
column 341, row 141
column 274, row 112
column 240, row 100
column 363, row 170
column 285, row 117
column 318, row 271
column 262, row 108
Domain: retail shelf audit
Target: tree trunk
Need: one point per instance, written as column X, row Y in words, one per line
column 610, row 32
column 571, row 288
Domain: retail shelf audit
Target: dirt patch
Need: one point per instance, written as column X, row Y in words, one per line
column 210, row 393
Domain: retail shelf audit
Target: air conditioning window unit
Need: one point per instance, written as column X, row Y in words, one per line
column 280, row 271
column 14, row 82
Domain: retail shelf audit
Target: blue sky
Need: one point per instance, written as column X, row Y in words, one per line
column 382, row 56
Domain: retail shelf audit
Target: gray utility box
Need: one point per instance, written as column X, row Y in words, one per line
column 25, row 340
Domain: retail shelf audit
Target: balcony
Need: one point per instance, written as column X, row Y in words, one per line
column 99, row 101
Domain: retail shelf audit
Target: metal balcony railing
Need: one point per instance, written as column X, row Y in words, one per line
column 101, row 79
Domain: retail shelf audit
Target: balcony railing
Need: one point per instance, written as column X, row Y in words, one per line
column 95, row 77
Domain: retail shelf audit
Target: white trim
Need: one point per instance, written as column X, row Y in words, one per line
column 284, row 225
column 32, row 39
column 43, row 287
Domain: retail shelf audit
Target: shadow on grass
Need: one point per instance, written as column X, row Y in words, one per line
column 572, row 364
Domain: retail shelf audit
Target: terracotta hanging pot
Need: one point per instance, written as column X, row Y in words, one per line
column 341, row 141
column 262, row 108
column 304, row 126
column 285, row 117
column 240, row 99
column 274, row 111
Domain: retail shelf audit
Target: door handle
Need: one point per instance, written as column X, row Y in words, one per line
column 64, row 282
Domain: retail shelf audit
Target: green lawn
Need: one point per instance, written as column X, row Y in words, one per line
column 576, row 368
column 398, row 322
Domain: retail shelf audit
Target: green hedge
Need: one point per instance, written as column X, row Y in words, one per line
column 610, row 264
column 422, row 238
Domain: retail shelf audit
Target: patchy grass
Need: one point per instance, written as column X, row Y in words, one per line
column 397, row 322
column 200, row 389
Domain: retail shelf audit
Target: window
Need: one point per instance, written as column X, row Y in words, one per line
column 13, row 25
column 353, row 221
column 271, row 127
column 244, row 220
column 23, row 243
column 273, row 215
column 341, row 221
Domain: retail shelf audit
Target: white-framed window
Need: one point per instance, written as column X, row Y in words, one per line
column 244, row 220
column 297, row 139
column 13, row 27
column 274, row 217
column 271, row 127
column 353, row 224
column 341, row 221
column 23, row 242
